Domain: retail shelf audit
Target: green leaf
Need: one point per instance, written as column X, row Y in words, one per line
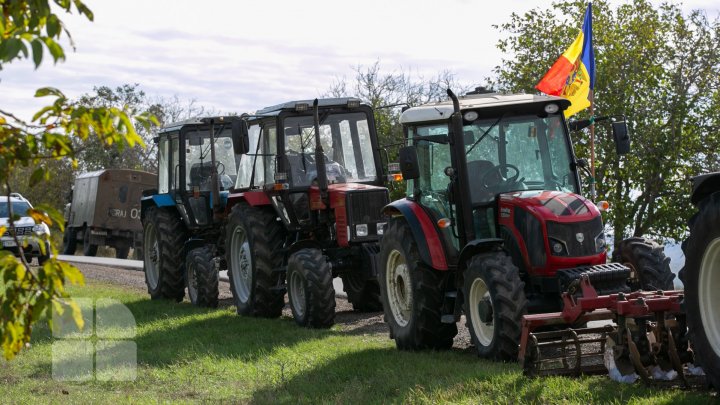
column 55, row 49
column 53, row 26
column 48, row 91
column 37, row 176
column 10, row 49
column 37, row 51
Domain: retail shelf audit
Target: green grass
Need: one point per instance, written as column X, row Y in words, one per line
column 186, row 354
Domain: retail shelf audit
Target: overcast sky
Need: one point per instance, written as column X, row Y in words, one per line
column 239, row 56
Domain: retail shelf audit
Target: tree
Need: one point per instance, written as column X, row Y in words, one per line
column 387, row 93
column 656, row 65
column 93, row 154
column 29, row 29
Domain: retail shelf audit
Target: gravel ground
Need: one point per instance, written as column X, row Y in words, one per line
column 349, row 320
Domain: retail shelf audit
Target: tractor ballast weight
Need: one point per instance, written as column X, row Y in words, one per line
column 494, row 225
column 184, row 217
column 305, row 209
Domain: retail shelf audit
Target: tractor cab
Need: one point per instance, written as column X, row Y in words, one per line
column 196, row 159
column 286, row 163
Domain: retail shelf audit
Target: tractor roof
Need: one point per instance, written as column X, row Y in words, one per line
column 441, row 111
column 175, row 126
column 292, row 105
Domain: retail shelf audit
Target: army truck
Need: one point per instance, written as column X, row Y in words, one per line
column 104, row 210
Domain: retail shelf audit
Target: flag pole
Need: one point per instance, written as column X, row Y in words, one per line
column 593, row 194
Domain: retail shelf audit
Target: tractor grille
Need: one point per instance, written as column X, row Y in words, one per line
column 569, row 235
column 364, row 207
column 531, row 231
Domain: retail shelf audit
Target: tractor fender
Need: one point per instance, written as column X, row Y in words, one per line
column 193, row 243
column 478, row 246
column 254, row 198
column 425, row 232
column 155, row 200
column 704, row 185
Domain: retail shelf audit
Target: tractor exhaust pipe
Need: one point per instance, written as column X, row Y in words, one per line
column 319, row 154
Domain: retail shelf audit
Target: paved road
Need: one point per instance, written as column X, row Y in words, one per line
column 138, row 265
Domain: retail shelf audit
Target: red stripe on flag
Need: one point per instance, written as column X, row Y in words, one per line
column 554, row 80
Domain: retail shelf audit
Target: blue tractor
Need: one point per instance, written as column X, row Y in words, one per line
column 183, row 219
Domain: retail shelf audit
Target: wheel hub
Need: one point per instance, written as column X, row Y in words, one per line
column 708, row 297
column 297, row 294
column 241, row 264
column 481, row 312
column 399, row 288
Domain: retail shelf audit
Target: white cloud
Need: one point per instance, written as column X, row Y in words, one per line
column 239, row 56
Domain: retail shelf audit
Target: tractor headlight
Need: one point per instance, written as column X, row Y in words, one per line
column 41, row 229
column 361, row 230
column 381, row 227
column 600, row 243
column 558, row 248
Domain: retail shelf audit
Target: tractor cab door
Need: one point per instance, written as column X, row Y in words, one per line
column 194, row 176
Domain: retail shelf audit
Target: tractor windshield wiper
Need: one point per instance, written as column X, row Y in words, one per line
column 487, row 131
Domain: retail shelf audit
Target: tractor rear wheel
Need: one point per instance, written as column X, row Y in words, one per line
column 701, row 277
column 254, row 237
column 363, row 294
column 163, row 240
column 69, row 241
column 202, row 278
column 648, row 262
column 310, row 289
column 494, row 305
column 412, row 295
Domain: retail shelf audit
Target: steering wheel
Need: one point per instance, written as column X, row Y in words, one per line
column 220, row 167
column 499, row 172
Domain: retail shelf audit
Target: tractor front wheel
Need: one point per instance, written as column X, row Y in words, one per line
column 253, row 240
column 701, row 277
column 494, row 305
column 363, row 294
column 310, row 289
column 163, row 240
column 648, row 263
column 412, row 295
column 69, row 241
column 202, row 278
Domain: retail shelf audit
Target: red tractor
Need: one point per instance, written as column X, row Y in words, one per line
column 495, row 225
column 305, row 208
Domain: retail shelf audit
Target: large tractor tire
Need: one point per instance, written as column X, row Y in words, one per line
column 701, row 277
column 363, row 294
column 69, row 241
column 412, row 295
column 89, row 249
column 648, row 261
column 310, row 289
column 163, row 240
column 494, row 305
column 254, row 237
column 202, row 278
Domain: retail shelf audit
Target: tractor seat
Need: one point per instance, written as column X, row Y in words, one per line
column 199, row 173
column 477, row 169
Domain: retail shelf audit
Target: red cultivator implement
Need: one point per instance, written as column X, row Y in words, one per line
column 647, row 340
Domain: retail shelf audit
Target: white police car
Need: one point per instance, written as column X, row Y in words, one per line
column 25, row 228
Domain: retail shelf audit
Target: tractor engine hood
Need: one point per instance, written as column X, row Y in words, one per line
column 552, row 205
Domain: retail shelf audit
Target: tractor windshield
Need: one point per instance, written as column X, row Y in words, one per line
column 346, row 142
column 512, row 153
column 198, row 159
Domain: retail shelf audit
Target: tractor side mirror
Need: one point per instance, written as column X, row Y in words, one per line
column 409, row 163
column 241, row 141
column 621, row 137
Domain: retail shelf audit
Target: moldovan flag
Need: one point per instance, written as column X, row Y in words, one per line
column 573, row 75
